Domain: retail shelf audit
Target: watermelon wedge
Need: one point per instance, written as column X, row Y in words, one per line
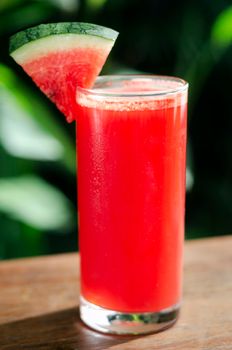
column 61, row 56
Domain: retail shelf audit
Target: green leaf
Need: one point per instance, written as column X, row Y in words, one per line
column 28, row 128
column 7, row 4
column 21, row 136
column 34, row 202
column 95, row 4
column 18, row 240
column 32, row 242
column 23, row 16
column 189, row 167
column 65, row 5
column 221, row 33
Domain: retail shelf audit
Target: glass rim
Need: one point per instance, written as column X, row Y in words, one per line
column 182, row 86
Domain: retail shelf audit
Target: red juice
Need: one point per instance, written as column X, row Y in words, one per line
column 131, row 196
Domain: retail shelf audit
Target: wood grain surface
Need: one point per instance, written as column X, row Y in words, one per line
column 39, row 305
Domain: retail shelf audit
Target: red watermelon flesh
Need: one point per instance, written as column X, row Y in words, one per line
column 59, row 73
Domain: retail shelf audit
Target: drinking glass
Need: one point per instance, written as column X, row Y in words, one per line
column 131, row 146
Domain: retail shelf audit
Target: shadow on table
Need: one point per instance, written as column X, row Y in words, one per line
column 61, row 330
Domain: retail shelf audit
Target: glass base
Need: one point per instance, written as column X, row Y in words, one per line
column 114, row 322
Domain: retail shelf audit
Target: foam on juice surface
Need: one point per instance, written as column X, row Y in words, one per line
column 136, row 94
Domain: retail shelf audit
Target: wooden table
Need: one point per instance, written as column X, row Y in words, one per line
column 39, row 305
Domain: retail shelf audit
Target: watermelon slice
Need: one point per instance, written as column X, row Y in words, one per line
column 61, row 56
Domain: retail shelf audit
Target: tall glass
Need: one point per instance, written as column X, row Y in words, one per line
column 131, row 145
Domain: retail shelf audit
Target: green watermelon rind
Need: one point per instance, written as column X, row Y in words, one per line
column 45, row 30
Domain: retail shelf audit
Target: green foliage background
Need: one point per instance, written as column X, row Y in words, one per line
column 37, row 148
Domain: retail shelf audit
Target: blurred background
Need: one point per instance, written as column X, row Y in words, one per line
column 190, row 39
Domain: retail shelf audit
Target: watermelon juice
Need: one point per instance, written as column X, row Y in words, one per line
column 131, row 143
